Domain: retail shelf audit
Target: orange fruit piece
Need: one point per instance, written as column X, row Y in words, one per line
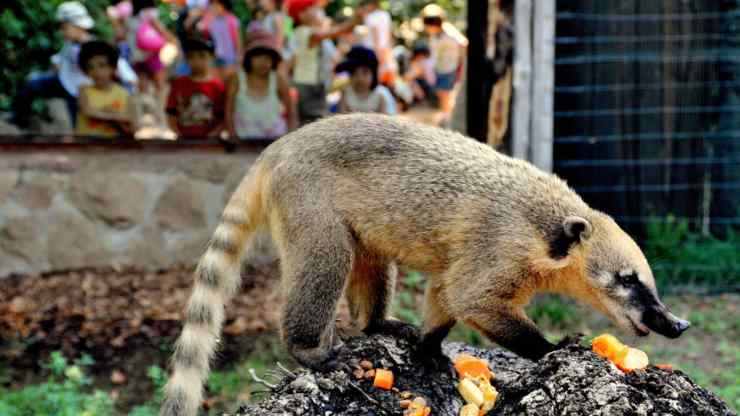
column 469, row 366
column 634, row 360
column 383, row 379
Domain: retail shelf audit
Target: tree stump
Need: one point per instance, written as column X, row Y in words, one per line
column 570, row 381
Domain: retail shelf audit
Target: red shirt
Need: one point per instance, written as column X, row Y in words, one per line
column 197, row 105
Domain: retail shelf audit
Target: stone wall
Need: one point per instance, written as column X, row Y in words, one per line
column 71, row 208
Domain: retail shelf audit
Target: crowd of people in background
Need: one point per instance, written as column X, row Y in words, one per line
column 216, row 77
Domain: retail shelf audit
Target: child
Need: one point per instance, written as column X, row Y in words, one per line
column 222, row 27
column 307, row 57
column 104, row 107
column 146, row 36
column 74, row 24
column 421, row 75
column 378, row 22
column 258, row 96
column 447, row 46
column 363, row 93
column 274, row 21
column 195, row 108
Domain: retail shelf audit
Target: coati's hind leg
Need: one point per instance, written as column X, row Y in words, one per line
column 316, row 257
column 369, row 294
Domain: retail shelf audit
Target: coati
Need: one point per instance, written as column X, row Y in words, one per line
column 348, row 198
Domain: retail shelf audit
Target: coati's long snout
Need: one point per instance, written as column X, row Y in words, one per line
column 662, row 321
column 627, row 291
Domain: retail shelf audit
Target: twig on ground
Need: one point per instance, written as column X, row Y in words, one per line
column 370, row 399
column 288, row 372
column 257, row 379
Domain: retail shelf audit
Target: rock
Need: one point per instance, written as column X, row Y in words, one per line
column 211, row 170
column 36, row 192
column 73, row 242
column 115, row 198
column 8, row 180
column 20, row 237
column 570, row 381
column 180, row 207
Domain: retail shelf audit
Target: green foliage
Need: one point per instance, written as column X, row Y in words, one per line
column 29, row 36
column 65, row 393
column 553, row 311
column 159, row 379
column 681, row 256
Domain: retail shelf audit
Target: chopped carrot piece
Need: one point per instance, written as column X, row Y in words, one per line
column 383, row 379
column 667, row 367
column 608, row 346
column 469, row 366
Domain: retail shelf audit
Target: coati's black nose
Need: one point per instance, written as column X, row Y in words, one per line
column 665, row 323
column 680, row 326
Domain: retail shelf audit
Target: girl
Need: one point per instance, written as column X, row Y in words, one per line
column 146, row 36
column 222, row 27
column 363, row 93
column 258, row 96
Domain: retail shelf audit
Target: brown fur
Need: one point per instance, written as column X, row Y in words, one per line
column 348, row 197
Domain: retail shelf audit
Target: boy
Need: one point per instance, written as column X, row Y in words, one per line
column 195, row 107
column 74, row 24
column 448, row 47
column 307, row 56
column 104, row 107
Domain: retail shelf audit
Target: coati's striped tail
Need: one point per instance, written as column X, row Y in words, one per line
column 216, row 279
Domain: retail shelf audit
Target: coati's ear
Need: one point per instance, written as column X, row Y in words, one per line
column 574, row 230
column 577, row 228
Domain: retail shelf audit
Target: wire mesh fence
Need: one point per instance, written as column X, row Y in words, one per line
column 647, row 117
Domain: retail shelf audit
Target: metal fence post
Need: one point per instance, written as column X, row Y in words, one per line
column 522, row 78
column 543, row 79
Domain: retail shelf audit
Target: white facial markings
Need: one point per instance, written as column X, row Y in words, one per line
column 627, row 272
column 604, row 279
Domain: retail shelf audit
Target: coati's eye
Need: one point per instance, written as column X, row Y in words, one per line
column 630, row 279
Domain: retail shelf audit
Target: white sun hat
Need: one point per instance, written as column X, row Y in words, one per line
column 75, row 13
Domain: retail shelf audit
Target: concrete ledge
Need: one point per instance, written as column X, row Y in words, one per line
column 143, row 204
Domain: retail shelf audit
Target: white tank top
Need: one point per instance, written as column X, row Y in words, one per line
column 370, row 104
column 258, row 118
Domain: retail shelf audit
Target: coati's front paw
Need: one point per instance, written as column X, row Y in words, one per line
column 568, row 340
column 434, row 360
column 396, row 329
column 323, row 362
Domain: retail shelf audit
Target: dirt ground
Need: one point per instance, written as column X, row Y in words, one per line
column 128, row 320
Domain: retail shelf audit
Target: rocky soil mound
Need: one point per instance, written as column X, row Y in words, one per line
column 570, row 381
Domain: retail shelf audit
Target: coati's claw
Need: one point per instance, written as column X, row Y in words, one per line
column 568, row 340
column 328, row 363
column 436, row 361
column 395, row 328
